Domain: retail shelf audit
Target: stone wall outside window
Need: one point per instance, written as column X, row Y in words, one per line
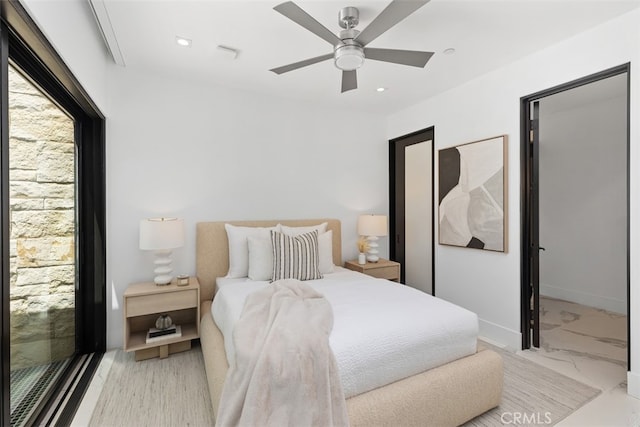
column 42, row 198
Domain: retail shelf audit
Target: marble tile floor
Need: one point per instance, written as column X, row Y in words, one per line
column 589, row 345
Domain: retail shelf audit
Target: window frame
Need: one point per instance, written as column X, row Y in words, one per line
column 22, row 43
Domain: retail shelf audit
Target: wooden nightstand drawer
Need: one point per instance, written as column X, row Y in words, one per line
column 383, row 269
column 148, row 304
column 389, row 273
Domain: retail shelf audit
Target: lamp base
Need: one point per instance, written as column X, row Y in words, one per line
column 372, row 253
column 162, row 280
column 163, row 268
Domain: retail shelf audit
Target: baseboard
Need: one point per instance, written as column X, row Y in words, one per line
column 606, row 303
column 633, row 384
column 500, row 336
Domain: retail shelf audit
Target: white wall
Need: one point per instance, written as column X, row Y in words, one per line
column 583, row 201
column 489, row 283
column 70, row 27
column 207, row 154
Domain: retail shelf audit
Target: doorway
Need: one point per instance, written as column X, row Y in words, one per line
column 575, row 197
column 411, row 208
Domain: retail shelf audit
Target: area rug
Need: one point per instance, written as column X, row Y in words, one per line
column 174, row 392
column 534, row 395
column 155, row 392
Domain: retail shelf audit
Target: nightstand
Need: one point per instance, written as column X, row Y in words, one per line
column 383, row 269
column 144, row 302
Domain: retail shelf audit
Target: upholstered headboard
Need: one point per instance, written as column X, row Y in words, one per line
column 212, row 247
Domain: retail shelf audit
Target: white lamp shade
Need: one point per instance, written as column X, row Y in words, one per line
column 161, row 233
column 372, row 225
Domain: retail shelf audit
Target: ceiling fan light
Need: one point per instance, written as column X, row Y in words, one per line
column 349, row 57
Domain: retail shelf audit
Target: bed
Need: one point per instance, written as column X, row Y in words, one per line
column 449, row 394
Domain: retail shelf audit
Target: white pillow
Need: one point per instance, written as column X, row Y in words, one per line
column 325, row 252
column 260, row 258
column 296, row 231
column 239, row 247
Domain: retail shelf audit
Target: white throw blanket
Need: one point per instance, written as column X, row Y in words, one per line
column 284, row 372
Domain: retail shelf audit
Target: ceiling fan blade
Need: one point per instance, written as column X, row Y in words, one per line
column 349, row 81
column 395, row 12
column 414, row 58
column 300, row 17
column 300, row 64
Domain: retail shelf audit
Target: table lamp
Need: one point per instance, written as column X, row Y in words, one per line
column 372, row 226
column 162, row 235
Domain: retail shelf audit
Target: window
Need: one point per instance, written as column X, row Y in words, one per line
column 52, row 227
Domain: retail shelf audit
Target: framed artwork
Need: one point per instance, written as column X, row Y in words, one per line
column 472, row 195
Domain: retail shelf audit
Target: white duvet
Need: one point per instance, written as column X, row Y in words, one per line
column 382, row 332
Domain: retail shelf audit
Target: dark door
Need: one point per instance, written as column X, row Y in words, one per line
column 530, row 162
column 411, row 207
column 533, row 300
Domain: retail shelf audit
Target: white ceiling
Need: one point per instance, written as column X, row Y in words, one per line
column 485, row 34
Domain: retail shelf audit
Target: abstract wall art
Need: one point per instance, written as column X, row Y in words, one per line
column 472, row 195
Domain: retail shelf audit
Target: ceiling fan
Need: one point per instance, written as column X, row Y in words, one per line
column 349, row 51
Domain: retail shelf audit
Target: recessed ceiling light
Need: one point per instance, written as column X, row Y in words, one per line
column 381, row 89
column 184, row 42
column 449, row 51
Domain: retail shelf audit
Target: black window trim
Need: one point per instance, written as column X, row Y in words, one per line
column 22, row 43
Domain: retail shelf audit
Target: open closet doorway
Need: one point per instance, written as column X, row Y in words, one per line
column 575, row 281
column 411, row 208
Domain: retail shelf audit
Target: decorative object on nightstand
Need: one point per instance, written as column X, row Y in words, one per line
column 162, row 235
column 164, row 329
column 164, row 321
column 383, row 269
column 183, row 280
column 363, row 247
column 155, row 335
column 372, row 226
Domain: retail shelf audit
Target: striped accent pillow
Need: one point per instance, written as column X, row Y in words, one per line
column 295, row 257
